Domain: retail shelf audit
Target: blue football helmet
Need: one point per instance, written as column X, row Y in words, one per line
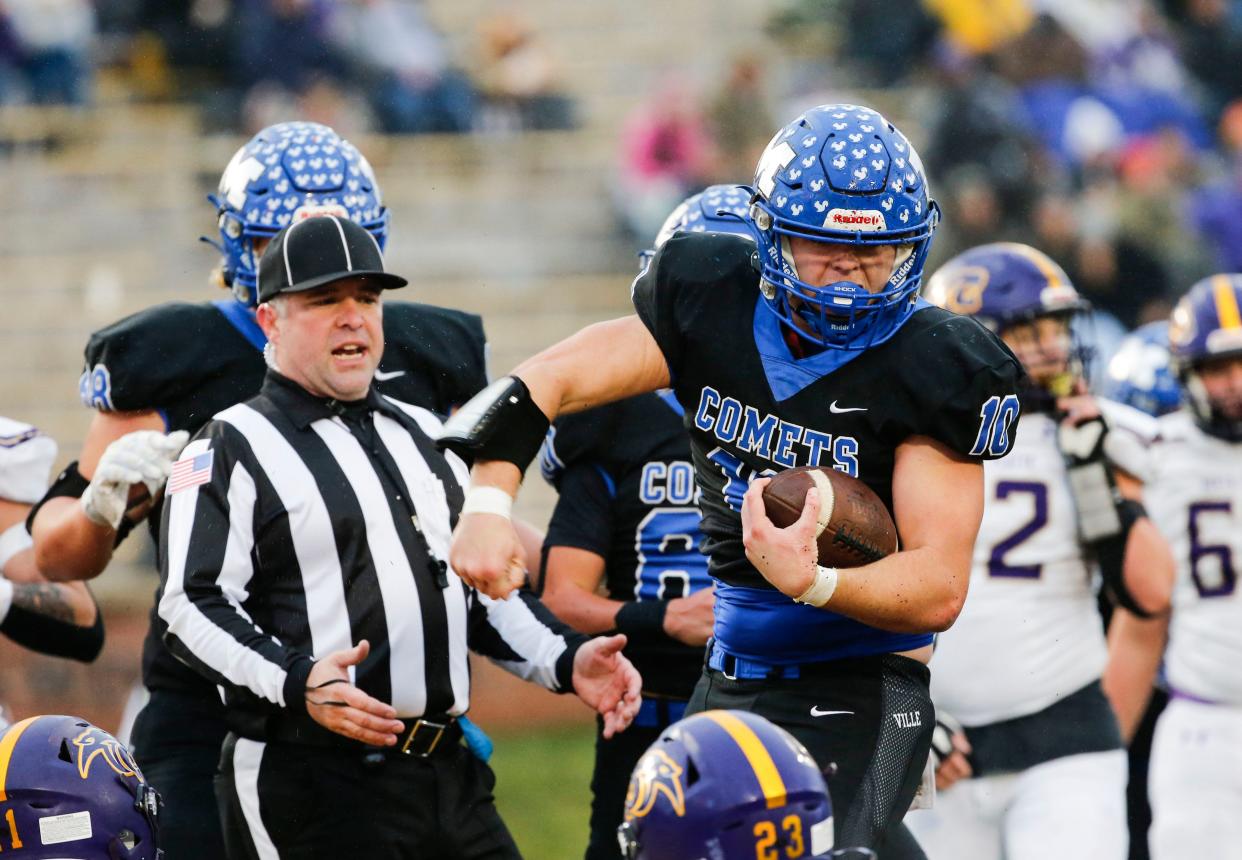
column 1207, row 325
column 1004, row 284
column 842, row 174
column 715, row 209
column 1140, row 373
column 287, row 172
column 64, row 769
column 716, row 784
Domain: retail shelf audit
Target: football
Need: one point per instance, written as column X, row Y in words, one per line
column 854, row 526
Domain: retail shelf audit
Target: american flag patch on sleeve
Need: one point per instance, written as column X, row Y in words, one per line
column 190, row 472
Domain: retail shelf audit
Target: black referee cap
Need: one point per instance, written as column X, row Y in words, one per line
column 318, row 251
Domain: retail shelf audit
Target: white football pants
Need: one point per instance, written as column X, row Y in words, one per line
column 1071, row 808
column 1195, row 782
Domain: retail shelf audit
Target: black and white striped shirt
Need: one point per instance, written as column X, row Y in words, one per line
column 320, row 524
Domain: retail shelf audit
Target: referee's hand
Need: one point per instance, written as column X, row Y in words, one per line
column 607, row 681
column 339, row 706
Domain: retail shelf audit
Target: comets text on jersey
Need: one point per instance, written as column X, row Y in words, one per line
column 765, row 435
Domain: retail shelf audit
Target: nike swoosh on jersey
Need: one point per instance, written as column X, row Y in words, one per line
column 816, row 712
column 392, row 374
column 837, row 410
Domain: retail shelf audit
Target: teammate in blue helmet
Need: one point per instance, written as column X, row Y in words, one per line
column 725, row 785
column 1205, row 336
column 715, row 209
column 1021, row 294
column 842, row 174
column 71, row 790
column 1140, row 373
column 287, row 172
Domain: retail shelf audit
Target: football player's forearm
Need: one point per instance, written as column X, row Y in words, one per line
column 1135, row 648
column 912, row 591
column 603, row 362
column 1149, row 568
column 67, row 544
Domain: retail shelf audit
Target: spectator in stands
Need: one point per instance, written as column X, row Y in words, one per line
column 404, row 65
column 1216, row 209
column 666, row 156
column 48, row 47
column 519, row 77
column 739, row 118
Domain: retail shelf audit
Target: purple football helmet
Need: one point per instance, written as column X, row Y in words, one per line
column 1207, row 325
column 719, row 784
column 73, row 791
column 1004, row 284
column 842, row 173
column 1140, row 373
column 287, row 172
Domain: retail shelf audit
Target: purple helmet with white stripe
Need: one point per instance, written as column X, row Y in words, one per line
column 842, row 173
column 287, row 172
column 74, row 791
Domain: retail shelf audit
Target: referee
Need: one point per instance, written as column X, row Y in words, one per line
column 305, row 533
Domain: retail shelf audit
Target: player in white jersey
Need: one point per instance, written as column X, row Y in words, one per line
column 1040, row 764
column 1195, row 498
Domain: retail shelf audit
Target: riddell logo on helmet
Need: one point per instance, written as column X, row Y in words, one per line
column 864, row 220
column 313, row 210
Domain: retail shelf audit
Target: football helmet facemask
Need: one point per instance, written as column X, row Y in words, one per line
column 842, row 173
column 1008, row 284
column 287, row 172
column 718, row 784
column 1206, row 326
column 66, row 769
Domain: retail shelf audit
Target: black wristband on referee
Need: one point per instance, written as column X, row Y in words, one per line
column 501, row 422
column 643, row 621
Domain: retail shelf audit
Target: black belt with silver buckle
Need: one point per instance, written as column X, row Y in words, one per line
column 426, row 735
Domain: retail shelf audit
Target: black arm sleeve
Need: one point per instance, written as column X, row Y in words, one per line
column 70, row 484
column 52, row 636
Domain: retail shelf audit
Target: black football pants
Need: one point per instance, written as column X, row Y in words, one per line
column 281, row 800
column 867, row 721
column 176, row 741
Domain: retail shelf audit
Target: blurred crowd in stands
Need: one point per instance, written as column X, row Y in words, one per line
column 1105, row 132
column 354, row 64
column 1108, row 133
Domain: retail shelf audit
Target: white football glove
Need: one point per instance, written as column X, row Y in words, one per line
column 144, row 456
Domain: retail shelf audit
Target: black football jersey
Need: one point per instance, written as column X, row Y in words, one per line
column 627, row 494
column 189, row 361
column 752, row 409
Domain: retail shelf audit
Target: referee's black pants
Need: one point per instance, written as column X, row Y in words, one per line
column 176, row 741
column 303, row 802
column 867, row 722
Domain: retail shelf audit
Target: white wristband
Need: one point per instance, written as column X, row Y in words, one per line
column 6, row 598
column 487, row 500
column 13, row 540
column 821, row 588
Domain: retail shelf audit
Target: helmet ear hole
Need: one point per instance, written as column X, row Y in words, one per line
column 64, row 754
column 692, row 773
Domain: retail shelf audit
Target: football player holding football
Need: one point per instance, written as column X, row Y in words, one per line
column 1020, row 670
column 1194, row 494
column 627, row 517
column 808, row 346
column 167, row 370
